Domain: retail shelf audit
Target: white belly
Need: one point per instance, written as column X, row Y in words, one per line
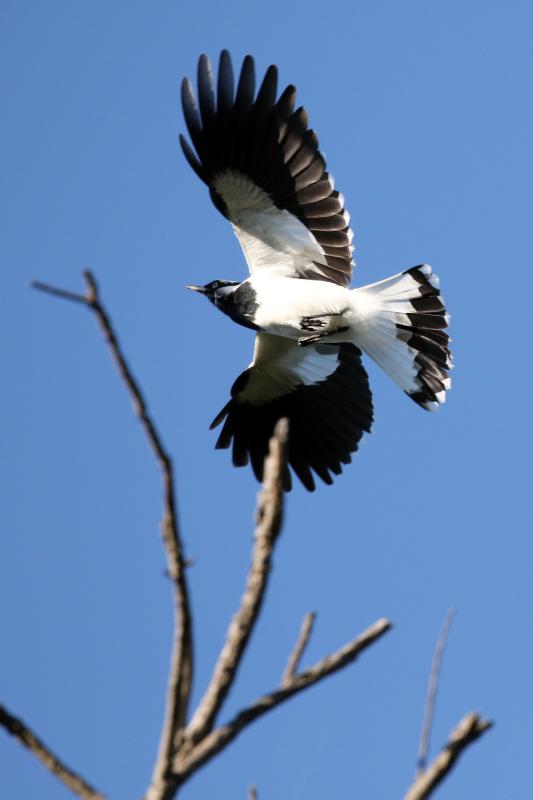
column 282, row 302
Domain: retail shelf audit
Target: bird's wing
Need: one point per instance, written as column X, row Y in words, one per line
column 265, row 173
column 322, row 390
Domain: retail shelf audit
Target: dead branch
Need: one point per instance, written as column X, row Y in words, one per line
column 181, row 668
column 471, row 727
column 188, row 762
column 299, row 648
column 72, row 780
column 185, row 748
column 431, row 697
column 269, row 518
column 167, row 780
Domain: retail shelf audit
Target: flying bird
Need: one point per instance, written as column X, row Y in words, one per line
column 267, row 176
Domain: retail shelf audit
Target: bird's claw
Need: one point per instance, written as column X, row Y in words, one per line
column 312, row 324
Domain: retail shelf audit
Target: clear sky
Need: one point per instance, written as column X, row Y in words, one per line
column 424, row 112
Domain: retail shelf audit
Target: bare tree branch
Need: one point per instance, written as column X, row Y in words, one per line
column 185, row 748
column 64, row 294
column 299, row 648
column 433, row 687
column 188, row 762
column 72, row 780
column 471, row 727
column 269, row 518
column 181, row 669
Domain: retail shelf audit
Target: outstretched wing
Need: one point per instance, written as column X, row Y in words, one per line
column 265, row 173
column 322, row 390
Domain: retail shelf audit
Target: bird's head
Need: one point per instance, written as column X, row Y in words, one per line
column 216, row 291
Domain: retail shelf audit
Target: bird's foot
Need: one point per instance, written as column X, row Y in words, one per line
column 305, row 341
column 312, row 324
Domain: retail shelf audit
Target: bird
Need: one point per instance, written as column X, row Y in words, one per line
column 266, row 174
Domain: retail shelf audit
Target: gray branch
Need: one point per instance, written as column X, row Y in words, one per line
column 181, row 667
column 269, row 519
column 433, row 687
column 185, row 748
column 471, row 727
column 188, row 762
column 299, row 648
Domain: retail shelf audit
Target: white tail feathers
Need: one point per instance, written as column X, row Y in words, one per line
column 405, row 334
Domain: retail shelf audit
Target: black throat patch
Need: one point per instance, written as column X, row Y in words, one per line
column 241, row 305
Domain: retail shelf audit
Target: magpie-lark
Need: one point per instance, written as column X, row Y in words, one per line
column 266, row 174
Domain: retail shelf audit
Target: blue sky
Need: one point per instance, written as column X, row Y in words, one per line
column 423, row 110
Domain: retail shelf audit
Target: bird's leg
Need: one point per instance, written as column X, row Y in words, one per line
column 321, row 326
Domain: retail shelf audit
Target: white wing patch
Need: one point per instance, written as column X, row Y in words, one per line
column 280, row 365
column 271, row 238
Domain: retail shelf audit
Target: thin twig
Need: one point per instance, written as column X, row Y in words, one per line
column 187, row 763
column 471, row 727
column 431, row 697
column 298, row 651
column 64, row 294
column 181, row 669
column 17, row 728
column 269, row 518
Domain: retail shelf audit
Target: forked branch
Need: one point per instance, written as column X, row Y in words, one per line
column 301, row 643
column 467, row 731
column 471, row 727
column 184, row 748
column 432, row 691
column 188, row 762
column 181, row 668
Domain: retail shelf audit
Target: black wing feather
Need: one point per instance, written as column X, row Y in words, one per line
column 271, row 144
column 326, row 421
column 225, row 86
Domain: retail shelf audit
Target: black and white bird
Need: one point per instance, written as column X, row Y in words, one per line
column 265, row 173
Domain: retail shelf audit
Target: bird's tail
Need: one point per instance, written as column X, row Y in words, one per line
column 404, row 333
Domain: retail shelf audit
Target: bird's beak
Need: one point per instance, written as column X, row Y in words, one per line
column 200, row 289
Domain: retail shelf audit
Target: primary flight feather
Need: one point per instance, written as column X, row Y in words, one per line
column 266, row 174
